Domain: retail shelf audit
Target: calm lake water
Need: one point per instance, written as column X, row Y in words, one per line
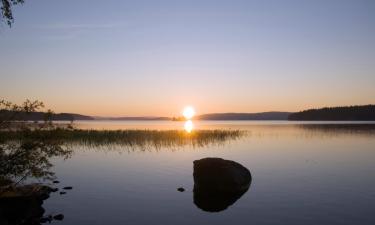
column 302, row 173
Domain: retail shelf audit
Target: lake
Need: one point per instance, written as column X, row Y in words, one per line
column 302, row 173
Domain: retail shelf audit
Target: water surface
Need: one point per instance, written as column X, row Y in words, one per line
column 302, row 173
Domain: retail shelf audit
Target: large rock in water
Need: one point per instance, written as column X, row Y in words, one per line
column 219, row 183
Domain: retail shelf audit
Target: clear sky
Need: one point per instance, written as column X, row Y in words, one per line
column 137, row 58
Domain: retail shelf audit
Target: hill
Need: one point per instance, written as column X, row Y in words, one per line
column 245, row 116
column 35, row 116
column 344, row 113
column 133, row 118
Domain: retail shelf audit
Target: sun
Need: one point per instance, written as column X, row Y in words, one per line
column 188, row 112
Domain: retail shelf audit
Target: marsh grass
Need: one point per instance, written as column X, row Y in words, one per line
column 142, row 139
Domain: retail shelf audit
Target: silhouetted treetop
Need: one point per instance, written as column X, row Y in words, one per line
column 344, row 113
column 6, row 10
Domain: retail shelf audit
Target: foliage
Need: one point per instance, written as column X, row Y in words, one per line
column 6, row 10
column 364, row 113
column 26, row 157
column 10, row 111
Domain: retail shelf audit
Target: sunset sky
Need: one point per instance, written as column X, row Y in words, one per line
column 139, row 58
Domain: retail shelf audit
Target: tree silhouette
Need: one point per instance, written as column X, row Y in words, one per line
column 6, row 10
column 364, row 112
column 9, row 111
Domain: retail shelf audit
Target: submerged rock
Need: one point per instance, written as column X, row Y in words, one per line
column 45, row 220
column 219, row 183
column 58, row 217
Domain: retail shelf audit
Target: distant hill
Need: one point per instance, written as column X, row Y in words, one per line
column 34, row 116
column 364, row 113
column 345, row 113
column 133, row 118
column 245, row 116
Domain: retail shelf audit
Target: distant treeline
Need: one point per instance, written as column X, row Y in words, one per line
column 245, row 116
column 39, row 116
column 133, row 118
column 345, row 113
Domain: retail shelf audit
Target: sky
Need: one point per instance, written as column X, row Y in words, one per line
column 152, row 58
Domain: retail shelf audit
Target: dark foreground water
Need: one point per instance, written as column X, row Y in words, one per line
column 301, row 174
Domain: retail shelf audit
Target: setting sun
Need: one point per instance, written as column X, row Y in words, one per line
column 188, row 112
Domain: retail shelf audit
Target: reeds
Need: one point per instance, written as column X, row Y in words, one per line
column 130, row 138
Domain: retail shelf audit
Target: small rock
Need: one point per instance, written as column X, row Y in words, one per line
column 68, row 188
column 54, row 189
column 46, row 219
column 56, row 181
column 62, row 192
column 58, row 217
column 181, row 189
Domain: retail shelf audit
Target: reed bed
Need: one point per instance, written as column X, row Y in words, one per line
column 130, row 138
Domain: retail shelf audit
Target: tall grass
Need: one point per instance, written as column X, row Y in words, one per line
column 129, row 138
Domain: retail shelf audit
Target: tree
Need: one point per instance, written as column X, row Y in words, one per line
column 9, row 111
column 29, row 156
column 6, row 10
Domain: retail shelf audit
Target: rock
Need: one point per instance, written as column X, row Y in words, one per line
column 45, row 220
column 23, row 204
column 38, row 191
column 181, row 189
column 54, row 189
column 62, row 192
column 221, row 175
column 219, row 183
column 56, row 181
column 21, row 210
column 58, row 217
column 68, row 188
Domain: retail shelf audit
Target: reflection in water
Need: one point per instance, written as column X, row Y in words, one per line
column 188, row 126
column 309, row 131
column 339, row 129
column 216, row 201
column 29, row 158
column 342, row 164
column 219, row 183
column 20, row 160
column 26, row 154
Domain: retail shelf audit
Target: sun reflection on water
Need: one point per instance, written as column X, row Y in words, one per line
column 189, row 126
